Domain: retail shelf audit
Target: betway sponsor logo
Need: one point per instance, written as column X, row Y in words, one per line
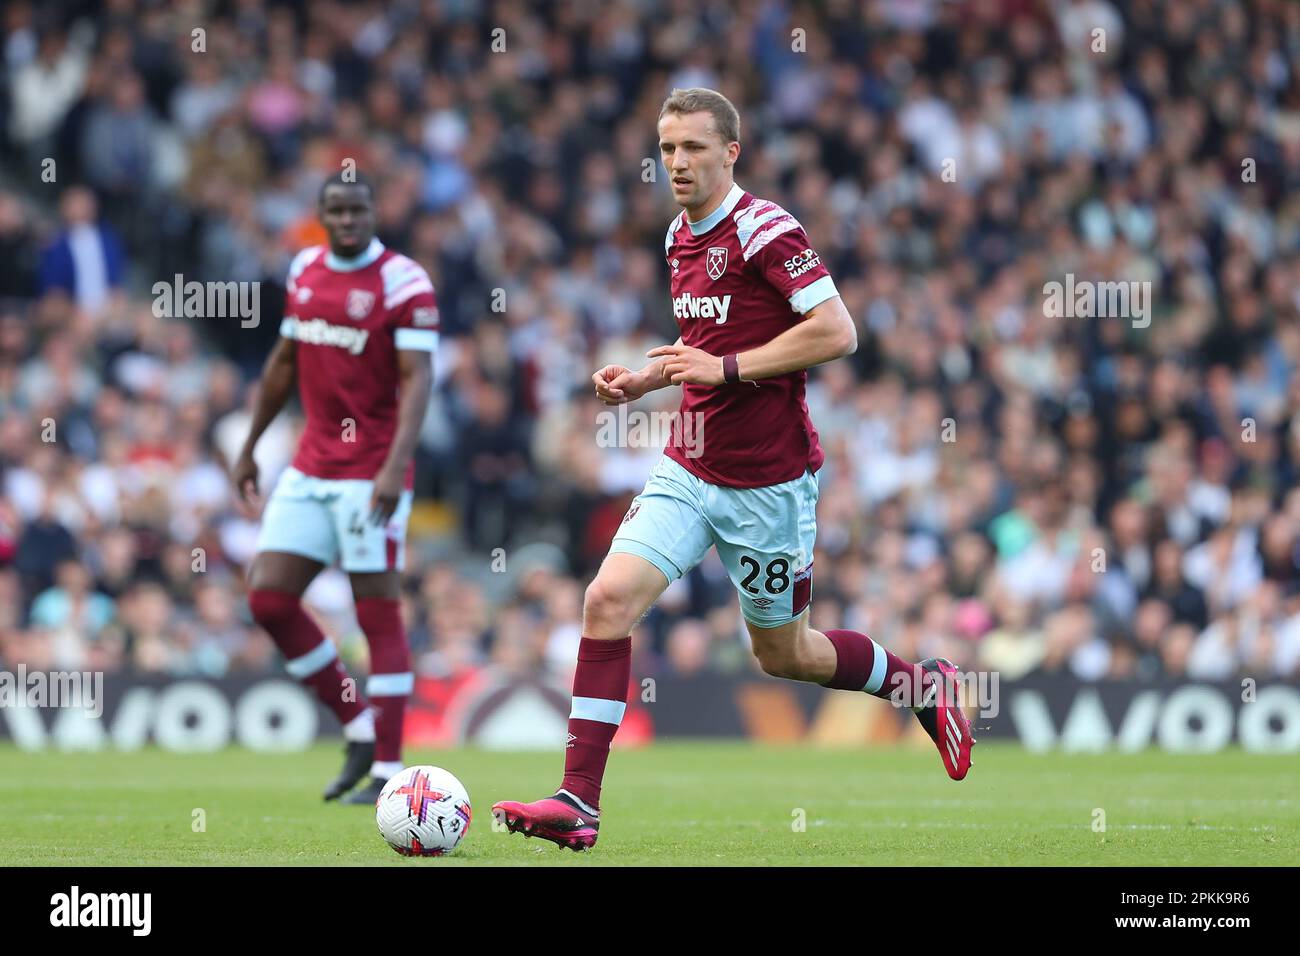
column 320, row 332
column 690, row 306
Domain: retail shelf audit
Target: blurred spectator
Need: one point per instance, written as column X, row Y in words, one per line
column 84, row 262
column 44, row 88
column 72, row 613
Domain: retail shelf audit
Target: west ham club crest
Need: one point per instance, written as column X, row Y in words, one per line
column 359, row 303
column 716, row 262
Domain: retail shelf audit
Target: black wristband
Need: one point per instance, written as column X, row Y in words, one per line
column 731, row 368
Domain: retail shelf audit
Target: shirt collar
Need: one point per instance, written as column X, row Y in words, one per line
column 715, row 217
column 341, row 264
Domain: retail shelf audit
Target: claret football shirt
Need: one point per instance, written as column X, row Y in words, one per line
column 740, row 277
column 349, row 319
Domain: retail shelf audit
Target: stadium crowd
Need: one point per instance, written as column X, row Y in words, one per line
column 1005, row 486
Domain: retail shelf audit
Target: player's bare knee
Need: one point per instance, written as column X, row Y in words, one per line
column 381, row 584
column 607, row 611
column 259, row 580
column 777, row 663
column 773, row 657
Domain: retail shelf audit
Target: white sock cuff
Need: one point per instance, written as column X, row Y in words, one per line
column 361, row 727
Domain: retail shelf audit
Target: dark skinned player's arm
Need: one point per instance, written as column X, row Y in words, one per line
column 415, row 382
column 415, row 385
column 279, row 378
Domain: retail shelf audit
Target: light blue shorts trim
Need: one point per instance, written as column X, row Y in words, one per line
column 764, row 536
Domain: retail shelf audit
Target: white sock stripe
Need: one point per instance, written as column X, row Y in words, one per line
column 596, row 708
column 322, row 655
column 877, row 678
column 390, row 685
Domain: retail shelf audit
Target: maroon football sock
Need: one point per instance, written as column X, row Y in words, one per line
column 310, row 657
column 862, row 664
column 391, row 681
column 599, row 699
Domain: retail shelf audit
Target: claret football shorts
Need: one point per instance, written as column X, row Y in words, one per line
column 328, row 519
column 764, row 536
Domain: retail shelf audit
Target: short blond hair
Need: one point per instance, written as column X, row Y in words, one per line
column 697, row 99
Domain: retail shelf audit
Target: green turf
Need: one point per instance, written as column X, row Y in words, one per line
column 678, row 804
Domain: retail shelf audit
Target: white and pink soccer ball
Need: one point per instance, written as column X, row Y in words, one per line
column 423, row 811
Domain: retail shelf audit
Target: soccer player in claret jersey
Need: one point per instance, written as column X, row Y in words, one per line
column 756, row 308
column 357, row 338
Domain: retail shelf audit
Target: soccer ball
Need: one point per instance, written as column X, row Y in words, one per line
column 423, row 811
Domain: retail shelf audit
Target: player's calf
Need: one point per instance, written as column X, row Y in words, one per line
column 309, row 656
column 311, row 659
column 391, row 681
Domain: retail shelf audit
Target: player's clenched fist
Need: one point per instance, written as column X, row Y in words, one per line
column 683, row 364
column 616, row 384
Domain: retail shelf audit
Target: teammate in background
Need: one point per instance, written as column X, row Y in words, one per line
column 756, row 308
column 357, row 338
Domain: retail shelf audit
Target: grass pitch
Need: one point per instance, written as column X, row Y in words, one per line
column 687, row 804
